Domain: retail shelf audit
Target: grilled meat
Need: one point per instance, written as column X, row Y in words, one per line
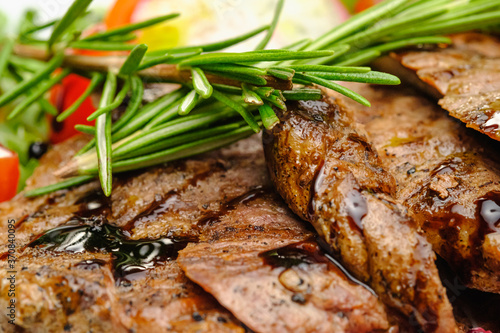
column 330, row 175
column 448, row 178
column 91, row 263
column 465, row 76
column 265, row 267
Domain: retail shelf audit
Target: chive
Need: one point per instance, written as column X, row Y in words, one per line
column 323, row 68
column 131, row 27
column 101, row 46
column 38, row 93
column 77, row 8
column 137, row 92
column 133, row 60
column 334, row 86
column 75, row 181
column 269, row 118
column 200, row 83
column 188, row 103
column 114, row 104
column 279, row 7
column 103, row 136
column 96, row 80
column 27, row 84
column 252, row 56
column 370, row 77
column 250, row 96
column 304, row 94
column 238, row 108
column 6, row 52
column 85, row 129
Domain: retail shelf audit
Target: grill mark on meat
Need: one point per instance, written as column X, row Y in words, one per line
column 353, row 209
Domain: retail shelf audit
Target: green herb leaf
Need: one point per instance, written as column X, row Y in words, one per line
column 201, row 84
column 75, row 181
column 36, row 79
column 269, row 118
column 103, row 136
column 133, row 60
column 130, row 27
column 77, row 9
column 238, row 108
column 279, row 7
column 188, row 103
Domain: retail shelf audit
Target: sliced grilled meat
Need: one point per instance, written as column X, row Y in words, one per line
column 448, row 177
column 330, row 175
column 466, row 76
column 91, row 263
column 262, row 264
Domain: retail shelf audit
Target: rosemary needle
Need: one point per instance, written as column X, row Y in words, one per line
column 250, row 96
column 279, row 7
column 38, row 93
column 188, row 103
column 136, row 94
column 269, row 118
column 58, row 186
column 130, row 27
column 238, row 108
column 334, row 86
column 7, row 48
column 103, row 136
column 114, row 104
column 85, row 129
column 36, row 79
column 201, row 84
column 77, row 8
column 133, row 60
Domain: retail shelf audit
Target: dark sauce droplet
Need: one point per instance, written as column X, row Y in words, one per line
column 131, row 258
column 356, row 209
column 306, row 253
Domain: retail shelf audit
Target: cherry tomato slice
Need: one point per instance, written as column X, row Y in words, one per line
column 9, row 174
column 63, row 96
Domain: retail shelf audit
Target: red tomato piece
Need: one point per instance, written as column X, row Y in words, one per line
column 9, row 174
column 63, row 96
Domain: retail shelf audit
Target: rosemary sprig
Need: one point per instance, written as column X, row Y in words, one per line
column 103, row 136
column 219, row 89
